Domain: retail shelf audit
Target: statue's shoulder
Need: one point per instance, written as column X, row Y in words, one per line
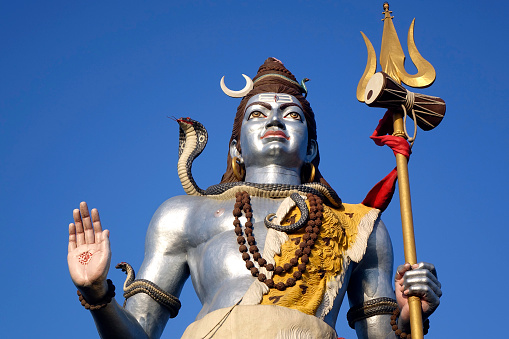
column 178, row 209
column 180, row 203
column 172, row 217
column 179, row 217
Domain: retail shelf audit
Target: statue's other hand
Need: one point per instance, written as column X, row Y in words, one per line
column 89, row 253
column 418, row 280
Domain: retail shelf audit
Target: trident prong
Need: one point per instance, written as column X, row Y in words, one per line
column 368, row 71
column 392, row 58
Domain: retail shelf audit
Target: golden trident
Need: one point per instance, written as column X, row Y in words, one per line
column 385, row 90
column 392, row 58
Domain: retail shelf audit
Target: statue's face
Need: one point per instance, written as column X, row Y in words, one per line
column 274, row 131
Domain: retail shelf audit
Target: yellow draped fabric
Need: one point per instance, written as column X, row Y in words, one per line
column 338, row 233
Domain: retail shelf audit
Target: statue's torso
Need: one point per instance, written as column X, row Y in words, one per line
column 219, row 274
column 203, row 228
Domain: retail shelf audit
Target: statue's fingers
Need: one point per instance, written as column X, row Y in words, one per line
column 433, row 277
column 429, row 267
column 96, row 221
column 424, row 273
column 87, row 223
column 80, row 234
column 435, row 286
column 426, row 293
column 401, row 270
column 72, row 237
column 105, row 244
column 419, row 283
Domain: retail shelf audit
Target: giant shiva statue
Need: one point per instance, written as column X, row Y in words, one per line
column 271, row 250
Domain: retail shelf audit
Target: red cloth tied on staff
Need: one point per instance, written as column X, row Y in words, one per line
column 381, row 194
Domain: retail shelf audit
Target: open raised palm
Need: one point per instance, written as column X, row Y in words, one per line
column 89, row 252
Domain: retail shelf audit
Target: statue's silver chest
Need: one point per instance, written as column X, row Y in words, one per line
column 216, row 264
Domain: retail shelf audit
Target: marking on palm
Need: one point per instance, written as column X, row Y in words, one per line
column 85, row 257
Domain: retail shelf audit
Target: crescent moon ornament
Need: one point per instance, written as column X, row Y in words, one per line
column 238, row 94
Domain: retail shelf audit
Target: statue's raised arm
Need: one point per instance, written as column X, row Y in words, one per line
column 88, row 258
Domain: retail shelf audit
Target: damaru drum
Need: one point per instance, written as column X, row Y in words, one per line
column 383, row 91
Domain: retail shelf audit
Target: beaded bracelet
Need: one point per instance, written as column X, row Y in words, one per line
column 399, row 332
column 107, row 298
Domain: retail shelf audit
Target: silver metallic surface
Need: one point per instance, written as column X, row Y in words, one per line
column 186, row 235
column 423, row 282
column 274, row 139
column 372, row 278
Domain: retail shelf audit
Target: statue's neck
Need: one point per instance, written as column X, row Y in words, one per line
column 273, row 174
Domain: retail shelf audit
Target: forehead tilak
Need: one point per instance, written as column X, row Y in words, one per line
column 275, row 97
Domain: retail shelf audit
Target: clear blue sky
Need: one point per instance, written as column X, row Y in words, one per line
column 86, row 89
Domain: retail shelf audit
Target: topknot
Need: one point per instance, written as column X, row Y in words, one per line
column 273, row 71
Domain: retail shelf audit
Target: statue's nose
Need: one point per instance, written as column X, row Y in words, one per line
column 275, row 121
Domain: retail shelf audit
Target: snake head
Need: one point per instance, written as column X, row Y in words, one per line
column 191, row 129
column 122, row 265
column 187, row 120
column 187, row 123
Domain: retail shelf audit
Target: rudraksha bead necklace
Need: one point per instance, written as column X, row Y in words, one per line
column 306, row 242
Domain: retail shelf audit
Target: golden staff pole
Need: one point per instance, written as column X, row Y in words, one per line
column 407, row 222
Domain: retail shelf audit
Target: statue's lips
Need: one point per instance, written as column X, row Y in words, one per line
column 275, row 134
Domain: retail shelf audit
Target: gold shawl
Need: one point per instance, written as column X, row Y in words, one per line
column 343, row 237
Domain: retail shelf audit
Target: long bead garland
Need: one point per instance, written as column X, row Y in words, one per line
column 306, row 242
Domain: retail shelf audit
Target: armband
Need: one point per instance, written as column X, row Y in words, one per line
column 371, row 308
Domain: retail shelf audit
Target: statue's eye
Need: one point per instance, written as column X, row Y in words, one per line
column 256, row 114
column 293, row 115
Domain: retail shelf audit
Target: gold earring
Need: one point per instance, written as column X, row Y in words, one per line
column 238, row 169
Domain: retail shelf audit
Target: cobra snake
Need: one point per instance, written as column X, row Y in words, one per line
column 193, row 138
column 132, row 287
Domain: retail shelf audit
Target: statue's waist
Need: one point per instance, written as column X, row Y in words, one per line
column 259, row 321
